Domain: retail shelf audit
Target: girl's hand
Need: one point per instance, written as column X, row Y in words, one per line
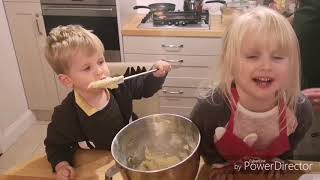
column 313, row 95
column 64, row 171
column 163, row 68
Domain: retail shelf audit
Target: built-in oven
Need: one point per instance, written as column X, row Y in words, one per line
column 100, row 16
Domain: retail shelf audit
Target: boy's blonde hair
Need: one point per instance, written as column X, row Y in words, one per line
column 273, row 29
column 63, row 42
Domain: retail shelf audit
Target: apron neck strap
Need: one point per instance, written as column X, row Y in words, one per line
column 234, row 98
column 282, row 110
column 282, row 116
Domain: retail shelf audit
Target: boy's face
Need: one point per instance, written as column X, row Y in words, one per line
column 85, row 69
column 261, row 69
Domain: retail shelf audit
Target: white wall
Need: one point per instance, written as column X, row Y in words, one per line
column 14, row 114
column 125, row 13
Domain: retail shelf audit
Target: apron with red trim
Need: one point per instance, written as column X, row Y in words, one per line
column 232, row 148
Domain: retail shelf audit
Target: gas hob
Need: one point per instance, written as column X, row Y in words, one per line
column 176, row 20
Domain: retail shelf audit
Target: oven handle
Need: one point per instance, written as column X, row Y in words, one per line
column 89, row 9
column 38, row 24
column 109, row 11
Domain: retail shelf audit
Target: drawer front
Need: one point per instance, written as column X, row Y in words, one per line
column 185, row 82
column 175, row 60
column 172, row 45
column 189, row 72
column 176, row 110
column 178, row 102
column 178, row 92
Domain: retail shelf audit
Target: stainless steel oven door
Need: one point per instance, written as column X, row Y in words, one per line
column 101, row 19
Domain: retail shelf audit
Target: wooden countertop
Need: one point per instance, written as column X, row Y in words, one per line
column 92, row 164
column 216, row 29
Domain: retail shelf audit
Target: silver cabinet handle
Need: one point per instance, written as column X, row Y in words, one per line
column 172, row 46
column 172, row 92
column 38, row 25
column 173, row 61
column 315, row 134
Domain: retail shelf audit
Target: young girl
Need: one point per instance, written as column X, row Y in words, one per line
column 257, row 110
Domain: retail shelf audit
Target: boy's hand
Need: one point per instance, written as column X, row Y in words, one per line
column 64, row 171
column 163, row 68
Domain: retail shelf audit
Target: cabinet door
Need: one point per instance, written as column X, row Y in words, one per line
column 28, row 34
column 183, row 111
column 177, row 105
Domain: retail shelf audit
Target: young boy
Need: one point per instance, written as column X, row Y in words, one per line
column 88, row 118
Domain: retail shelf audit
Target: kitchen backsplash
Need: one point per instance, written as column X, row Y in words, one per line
column 179, row 4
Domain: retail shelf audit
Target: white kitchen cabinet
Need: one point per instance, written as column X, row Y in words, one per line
column 193, row 62
column 28, row 34
column 172, row 45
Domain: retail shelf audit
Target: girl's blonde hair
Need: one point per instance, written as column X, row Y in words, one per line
column 273, row 29
column 63, row 42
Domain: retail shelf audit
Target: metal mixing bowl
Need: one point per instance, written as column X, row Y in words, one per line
column 166, row 135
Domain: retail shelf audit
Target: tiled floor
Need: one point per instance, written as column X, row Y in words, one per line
column 28, row 146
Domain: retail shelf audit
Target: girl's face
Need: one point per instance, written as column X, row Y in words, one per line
column 85, row 69
column 261, row 69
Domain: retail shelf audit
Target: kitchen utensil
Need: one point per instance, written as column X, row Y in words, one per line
column 231, row 9
column 197, row 5
column 213, row 8
column 158, row 7
column 139, row 74
column 112, row 82
column 161, row 135
column 241, row 4
column 192, row 5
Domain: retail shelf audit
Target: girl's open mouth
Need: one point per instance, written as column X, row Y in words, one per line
column 263, row 82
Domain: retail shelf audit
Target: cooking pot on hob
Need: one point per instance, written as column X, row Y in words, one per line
column 156, row 7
